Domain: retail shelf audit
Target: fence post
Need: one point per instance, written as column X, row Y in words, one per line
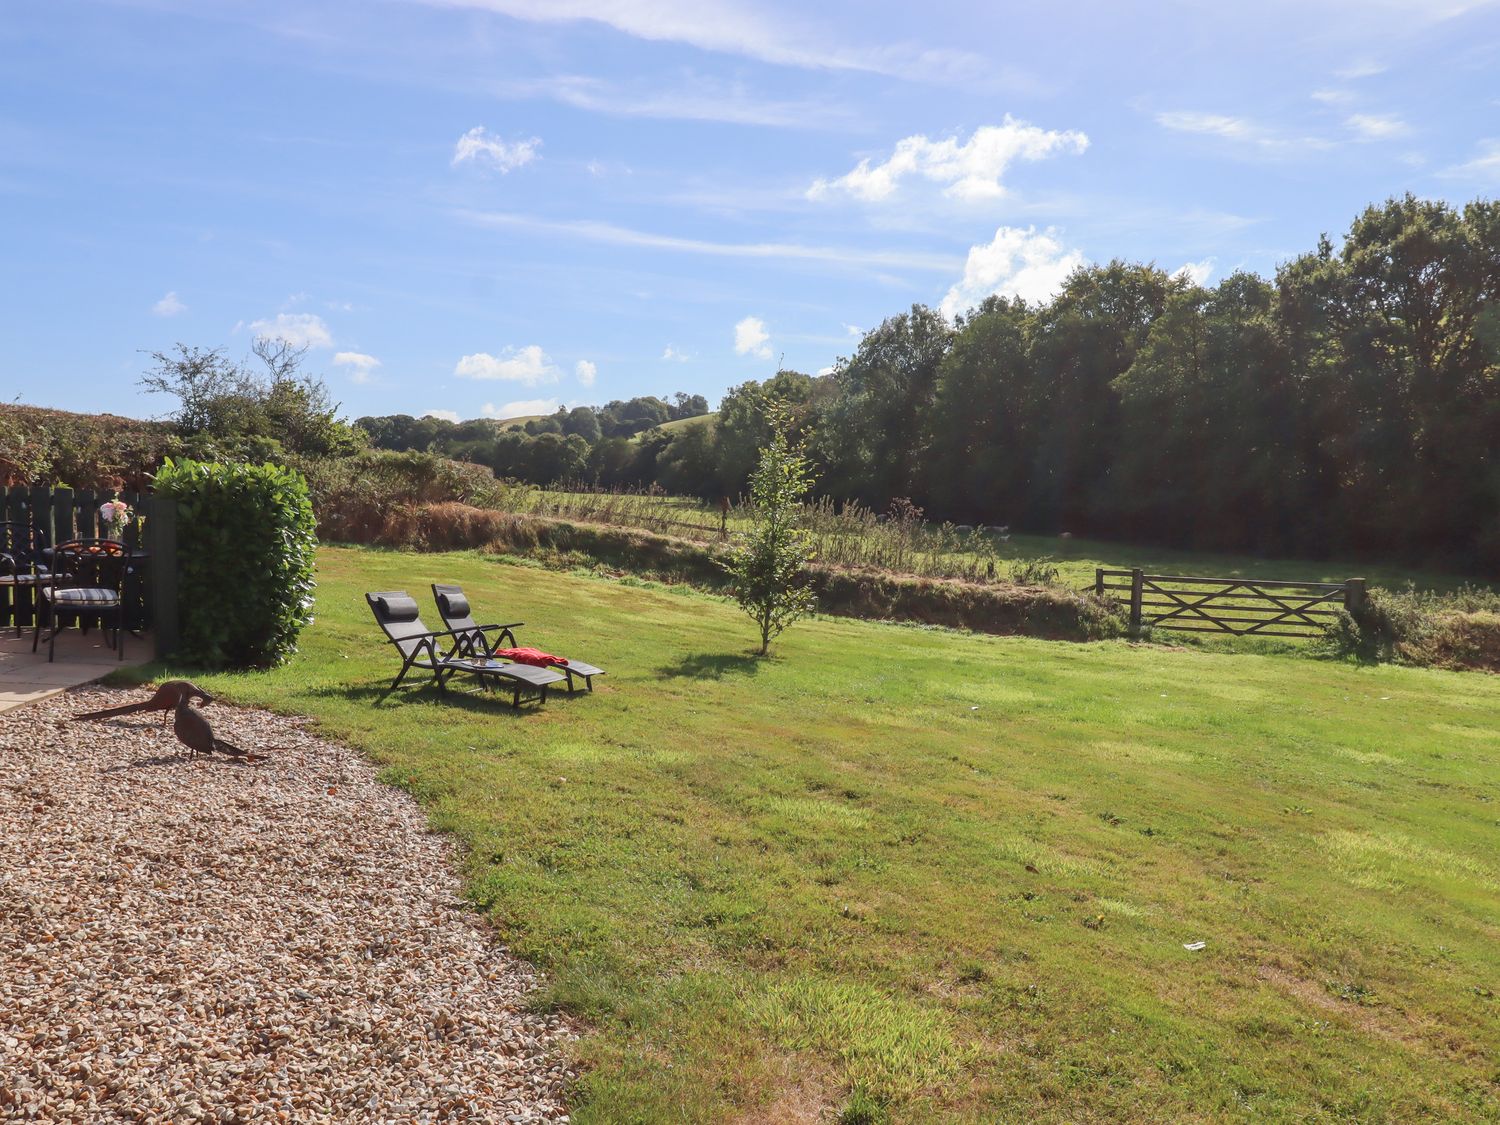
column 1137, row 581
column 1098, row 582
column 1354, row 595
column 161, row 537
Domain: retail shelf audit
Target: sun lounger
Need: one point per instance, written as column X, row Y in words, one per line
column 453, row 607
column 442, row 655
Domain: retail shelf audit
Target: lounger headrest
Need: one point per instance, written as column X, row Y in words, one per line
column 453, row 605
column 397, row 607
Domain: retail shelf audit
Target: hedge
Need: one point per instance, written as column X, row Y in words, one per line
column 246, row 547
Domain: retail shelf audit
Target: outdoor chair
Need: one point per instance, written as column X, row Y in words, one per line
column 21, row 568
column 453, row 607
column 438, row 653
column 86, row 583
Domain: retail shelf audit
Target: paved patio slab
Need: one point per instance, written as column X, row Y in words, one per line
column 26, row 677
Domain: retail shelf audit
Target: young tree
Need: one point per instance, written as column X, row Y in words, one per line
column 768, row 563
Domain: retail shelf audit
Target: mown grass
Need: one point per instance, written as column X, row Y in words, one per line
column 928, row 876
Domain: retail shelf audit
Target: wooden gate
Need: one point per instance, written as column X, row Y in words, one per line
column 1244, row 607
column 61, row 514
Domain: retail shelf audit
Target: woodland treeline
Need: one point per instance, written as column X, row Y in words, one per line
column 1349, row 403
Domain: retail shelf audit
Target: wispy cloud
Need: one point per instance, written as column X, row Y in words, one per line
column 1242, row 131
column 1360, row 68
column 488, row 150
column 594, row 231
column 693, row 100
column 1484, row 166
column 586, row 372
column 297, row 329
column 1017, row 262
column 362, row 365
column 969, row 170
column 732, row 28
column 669, row 352
column 529, row 365
column 1377, row 127
column 169, row 305
column 751, row 338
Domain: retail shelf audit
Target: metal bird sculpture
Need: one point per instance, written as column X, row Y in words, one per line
column 166, row 699
column 194, row 732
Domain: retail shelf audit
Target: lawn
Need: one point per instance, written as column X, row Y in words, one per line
column 928, row 876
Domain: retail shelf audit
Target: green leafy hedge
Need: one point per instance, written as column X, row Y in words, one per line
column 246, row 544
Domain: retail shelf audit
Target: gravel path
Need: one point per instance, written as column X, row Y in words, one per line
column 213, row 941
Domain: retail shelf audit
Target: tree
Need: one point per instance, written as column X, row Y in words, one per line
column 872, row 434
column 768, row 564
column 233, row 410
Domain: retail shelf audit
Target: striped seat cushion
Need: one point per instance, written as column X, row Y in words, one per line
column 82, row 596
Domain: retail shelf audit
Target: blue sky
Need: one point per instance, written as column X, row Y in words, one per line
column 494, row 206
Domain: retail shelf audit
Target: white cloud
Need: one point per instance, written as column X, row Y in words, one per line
column 587, row 371
column 610, row 234
column 445, row 415
column 669, row 352
column 735, row 28
column 854, row 330
column 496, row 152
column 750, row 338
column 529, row 365
column 1015, row 263
column 826, row 370
column 169, row 305
column 1196, row 272
column 1240, row 130
column 297, row 329
column 362, row 364
column 1377, row 127
column 520, row 409
column 971, row 170
column 1484, row 166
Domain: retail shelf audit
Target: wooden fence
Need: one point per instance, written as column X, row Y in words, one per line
column 1245, row 607
column 61, row 514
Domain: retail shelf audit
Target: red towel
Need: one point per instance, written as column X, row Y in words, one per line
column 530, row 656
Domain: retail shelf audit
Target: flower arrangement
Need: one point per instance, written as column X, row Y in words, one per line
column 113, row 516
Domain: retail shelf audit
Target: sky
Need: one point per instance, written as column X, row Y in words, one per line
column 493, row 207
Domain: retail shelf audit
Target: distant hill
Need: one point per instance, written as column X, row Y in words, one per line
column 710, row 419
column 518, row 421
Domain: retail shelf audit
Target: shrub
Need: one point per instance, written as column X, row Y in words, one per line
column 245, row 548
column 1415, row 627
column 1034, row 572
column 357, row 498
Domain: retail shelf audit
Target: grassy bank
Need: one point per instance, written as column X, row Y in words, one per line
column 951, row 876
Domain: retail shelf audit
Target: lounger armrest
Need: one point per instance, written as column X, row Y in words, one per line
column 429, row 635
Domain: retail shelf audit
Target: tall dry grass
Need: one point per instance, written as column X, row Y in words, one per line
column 899, row 540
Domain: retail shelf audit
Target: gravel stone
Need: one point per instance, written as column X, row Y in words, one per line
column 210, row 940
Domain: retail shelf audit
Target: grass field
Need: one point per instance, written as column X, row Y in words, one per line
column 923, row 876
column 1076, row 559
